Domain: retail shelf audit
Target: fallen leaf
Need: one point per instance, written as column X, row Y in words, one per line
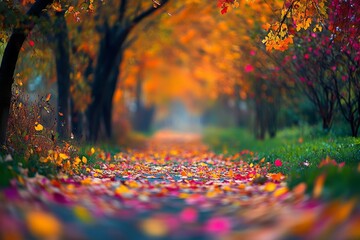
column 319, row 185
column 39, row 127
column 43, row 225
column 270, row 187
column 154, row 227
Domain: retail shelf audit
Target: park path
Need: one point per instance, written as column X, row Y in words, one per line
column 173, row 188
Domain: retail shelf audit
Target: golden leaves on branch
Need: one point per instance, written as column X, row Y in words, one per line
column 295, row 16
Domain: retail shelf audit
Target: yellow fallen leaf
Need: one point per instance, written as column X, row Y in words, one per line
column 270, row 187
column 83, row 214
column 133, row 184
column 154, row 227
column 281, row 191
column 226, row 188
column 183, row 195
column 48, row 96
column 43, row 225
column 122, row 189
column 211, row 194
column 84, row 159
column 86, row 181
column 231, row 173
column 39, row 127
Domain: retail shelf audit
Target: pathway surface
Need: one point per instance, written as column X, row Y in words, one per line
column 174, row 188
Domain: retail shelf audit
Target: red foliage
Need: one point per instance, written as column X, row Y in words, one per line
column 346, row 28
column 223, row 5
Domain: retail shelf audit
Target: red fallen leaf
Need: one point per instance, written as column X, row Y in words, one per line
column 108, row 156
column 26, row 138
column 251, row 174
column 239, row 177
column 276, row 177
column 31, row 43
column 55, row 183
column 59, row 198
column 278, row 162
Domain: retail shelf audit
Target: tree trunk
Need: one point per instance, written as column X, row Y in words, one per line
column 272, row 113
column 76, row 123
column 105, row 62
column 108, row 104
column 326, row 123
column 260, row 122
column 9, row 60
column 62, row 56
column 110, row 49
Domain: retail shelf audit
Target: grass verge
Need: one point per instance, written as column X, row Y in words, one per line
column 302, row 154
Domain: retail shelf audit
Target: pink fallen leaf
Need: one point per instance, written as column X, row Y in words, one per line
column 218, row 225
column 278, row 162
column 189, row 215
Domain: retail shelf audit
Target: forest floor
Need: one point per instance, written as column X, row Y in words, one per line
column 173, row 188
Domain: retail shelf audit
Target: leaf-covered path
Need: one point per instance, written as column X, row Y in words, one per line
column 174, row 188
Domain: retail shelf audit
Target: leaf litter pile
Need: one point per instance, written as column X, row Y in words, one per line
column 174, row 188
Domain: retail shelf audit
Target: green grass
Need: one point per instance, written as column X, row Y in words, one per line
column 234, row 140
column 300, row 159
column 293, row 146
column 312, row 152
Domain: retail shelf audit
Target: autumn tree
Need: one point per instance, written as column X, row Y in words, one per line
column 344, row 74
column 310, row 64
column 114, row 34
column 8, row 63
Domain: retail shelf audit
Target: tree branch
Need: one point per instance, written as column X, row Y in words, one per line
column 148, row 12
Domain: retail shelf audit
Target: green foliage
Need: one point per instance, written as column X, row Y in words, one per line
column 6, row 173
